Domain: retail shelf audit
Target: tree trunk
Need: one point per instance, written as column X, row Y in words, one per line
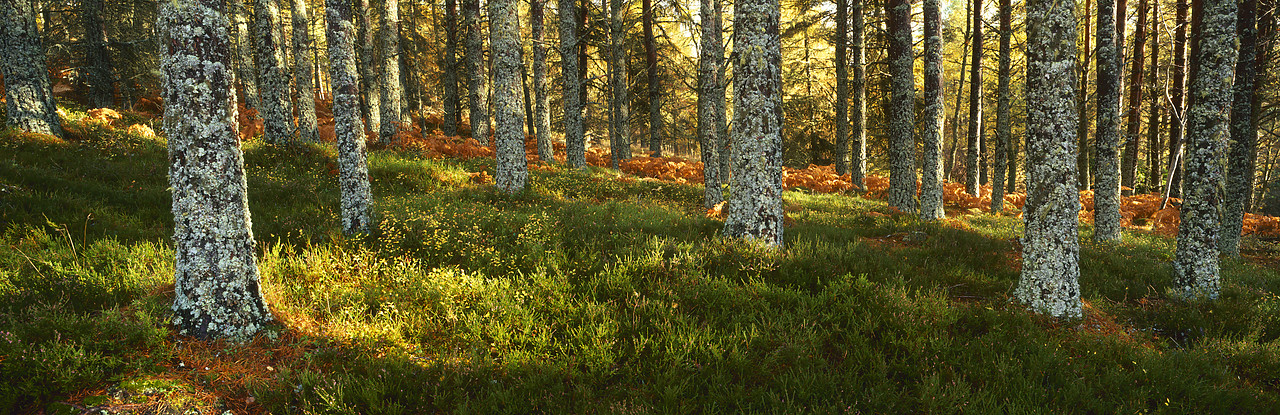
column 955, row 117
column 857, row 98
column 1153, row 105
column 1244, row 138
column 368, row 69
column 1004, row 127
column 655, row 92
column 246, row 68
column 575, row 142
column 217, row 289
column 974, row 150
column 708, row 125
column 452, row 102
column 1082, row 102
column 901, row 110
column 1262, row 65
column 477, row 72
column 390, row 45
column 541, row 100
column 276, row 109
column 1177, row 114
column 1213, row 58
column 1129, row 163
column 102, row 86
column 353, row 170
column 620, row 129
column 511, row 169
column 1106, row 197
column 303, row 77
column 931, row 128
column 755, row 197
column 842, row 87
column 29, row 104
column 1051, row 246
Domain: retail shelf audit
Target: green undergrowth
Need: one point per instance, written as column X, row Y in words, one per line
column 591, row 294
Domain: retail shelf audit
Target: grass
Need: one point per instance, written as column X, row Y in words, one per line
column 588, row 294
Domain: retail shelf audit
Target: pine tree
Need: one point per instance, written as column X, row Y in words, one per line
column 932, row 117
column 841, row 43
column 1004, row 128
column 1084, row 177
column 857, row 98
column 574, row 140
column 504, row 38
column 1129, row 161
column 755, row 197
column 619, row 102
column 974, row 150
column 370, row 106
column 101, row 91
column 1156, row 97
column 1244, row 137
column 28, row 93
column 1213, row 58
column 303, row 77
column 1177, row 100
column 353, row 170
column 1051, row 246
column 217, row 289
column 449, row 63
column 1106, row 191
column 708, row 125
column 541, row 100
column 655, row 89
column 275, row 108
column 391, row 92
column 246, row 69
column 901, row 111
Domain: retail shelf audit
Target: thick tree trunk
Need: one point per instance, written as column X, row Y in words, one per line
column 391, row 95
column 217, row 289
column 1106, row 197
column 102, row 86
column 1244, row 137
column 857, row 98
column 1004, row 126
column 1213, row 58
column 28, row 93
column 1177, row 114
column 974, row 149
column 619, row 103
column 511, row 169
column 1129, row 163
column 452, row 101
column 655, row 91
column 303, row 77
column 1153, row 104
column 353, row 170
column 369, row 64
column 931, row 126
column 477, row 71
column 842, row 87
column 1051, row 246
column 574, row 139
column 755, row 197
column 275, row 108
column 541, row 98
column 901, row 110
column 708, row 124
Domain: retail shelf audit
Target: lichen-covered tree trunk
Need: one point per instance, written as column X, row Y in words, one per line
column 302, row 72
column 452, row 106
column 974, row 149
column 370, row 106
column 541, row 97
column 217, row 290
column 932, row 118
column 755, row 197
column 246, row 69
column 1106, row 190
column 1156, row 96
column 1129, row 161
column 1083, row 176
column 353, row 170
column 722, row 118
column 655, row 89
column 901, row 110
column 275, row 108
column 619, row 103
column 1195, row 265
column 1004, row 127
column 511, row 169
column 28, row 93
column 842, row 86
column 1177, row 100
column 1244, row 138
column 391, row 92
column 101, row 91
column 1051, row 245
column 708, row 125
column 574, row 140
column 857, row 99
column 477, row 72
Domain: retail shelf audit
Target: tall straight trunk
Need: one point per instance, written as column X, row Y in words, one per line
column 29, row 104
column 303, row 77
column 857, row 98
column 528, row 98
column 217, row 288
column 276, row 110
column 722, row 117
column 246, row 68
column 974, row 150
column 511, row 170
column 1213, row 58
column 1004, row 127
column 619, row 103
column 1153, row 104
column 1177, row 99
column 348, row 128
column 1262, row 65
column 842, row 87
column 477, row 72
column 901, row 110
column 708, row 125
column 584, row 22
column 1106, row 197
column 97, row 58
column 955, row 129
column 1082, row 102
column 541, row 100
column 574, row 140
column 390, row 44
column 1244, row 137
column 655, row 91
column 1051, row 245
column 452, row 102
column 1129, row 163
column 755, row 197
column 369, row 74
column 409, row 57
column 931, row 128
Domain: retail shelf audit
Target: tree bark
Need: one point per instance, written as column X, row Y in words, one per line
column 452, row 101
column 1082, row 104
column 1004, row 127
column 391, row 92
column 931, row 128
column 304, row 79
column 620, row 114
column 655, row 91
column 276, row 109
column 1106, row 198
column 477, row 72
column 217, row 288
column 1129, row 163
column 1244, row 138
column 1153, row 104
column 511, row 169
column 1177, row 112
column 246, row 68
column 574, row 140
column 541, row 99
column 708, row 125
column 755, row 197
column 901, row 110
column 353, row 170
column 842, row 87
column 974, row 150
column 29, row 104
column 857, row 98
column 102, row 87
column 369, row 75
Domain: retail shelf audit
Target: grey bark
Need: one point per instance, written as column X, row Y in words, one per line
column 217, row 289
column 511, row 169
column 541, row 97
column 353, row 170
column 708, row 124
column 1106, row 191
column 101, row 91
column 1244, row 138
column 901, row 110
column 391, row 91
column 1004, row 127
column 655, row 89
column 755, row 197
column 246, row 68
column 1129, row 161
column 974, row 149
column 1195, row 266
column 304, row 79
column 1082, row 105
column 857, row 98
column 275, row 108
column 370, row 105
column 452, row 104
column 1177, row 99
column 841, row 121
column 932, row 117
column 29, row 104
column 722, row 118
column 619, row 104
column 574, row 140
column 1051, row 246
column 1153, row 102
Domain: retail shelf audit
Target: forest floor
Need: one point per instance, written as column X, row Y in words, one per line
column 592, row 292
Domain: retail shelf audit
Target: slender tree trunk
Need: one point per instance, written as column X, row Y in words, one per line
column 1106, row 199
column 303, row 77
column 1004, row 127
column 1262, row 64
column 755, row 197
column 1051, row 246
column 369, row 75
column 217, row 289
column 390, row 45
column 1129, row 163
column 102, row 86
column 655, row 91
column 708, row 125
column 1153, row 105
column 1177, row 112
column 276, row 110
column 901, row 110
column 1213, row 58
column 353, row 170
column 452, row 101
column 541, row 100
column 29, row 104
column 246, row 68
column 574, row 140
column 931, row 127
column 1244, row 138
column 477, row 71
column 955, row 129
column 842, row 87
column 974, row 150
column 620, row 130
column 858, row 98
column 511, row 169
column 1082, row 102
column 584, row 31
